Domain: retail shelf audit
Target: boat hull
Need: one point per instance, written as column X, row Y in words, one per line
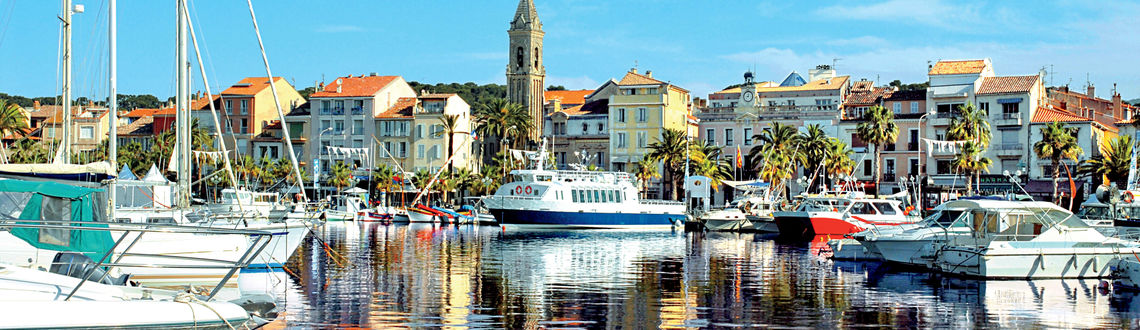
column 1029, row 263
column 586, row 220
column 802, row 226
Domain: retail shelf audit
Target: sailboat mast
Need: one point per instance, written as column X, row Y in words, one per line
column 112, row 99
column 63, row 154
column 182, row 110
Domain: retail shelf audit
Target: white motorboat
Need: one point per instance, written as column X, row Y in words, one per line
column 34, row 299
column 246, row 204
column 726, row 219
column 837, row 216
column 1043, row 243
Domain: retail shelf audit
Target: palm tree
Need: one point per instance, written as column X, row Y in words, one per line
column 1057, row 141
column 383, row 177
column 969, row 161
column 503, row 119
column 450, row 125
column 1111, row 166
column 646, row 170
column 340, row 175
column 970, row 124
column 670, row 150
column 12, row 121
column 814, row 142
column 878, row 128
column 27, row 151
column 838, row 162
column 706, row 161
column 777, row 155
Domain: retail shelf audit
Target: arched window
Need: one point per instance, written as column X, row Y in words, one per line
column 519, row 60
column 536, row 57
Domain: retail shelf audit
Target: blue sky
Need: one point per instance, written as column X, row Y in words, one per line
column 700, row 45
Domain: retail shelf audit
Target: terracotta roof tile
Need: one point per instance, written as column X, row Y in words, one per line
column 249, row 86
column 597, row 107
column 142, row 126
column 633, row 78
column 568, row 97
column 140, row 113
column 1011, row 84
column 958, row 67
column 867, row 97
column 911, row 95
column 355, row 86
column 1049, row 114
column 437, row 96
column 401, row 109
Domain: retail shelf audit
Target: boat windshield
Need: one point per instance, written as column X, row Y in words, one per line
column 943, row 218
column 1095, row 212
column 1015, row 224
column 823, row 205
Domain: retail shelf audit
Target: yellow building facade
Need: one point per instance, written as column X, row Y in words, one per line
column 640, row 112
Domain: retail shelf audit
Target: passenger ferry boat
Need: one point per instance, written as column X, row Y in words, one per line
column 563, row 199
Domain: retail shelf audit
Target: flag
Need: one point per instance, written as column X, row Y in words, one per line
column 739, row 158
column 475, row 136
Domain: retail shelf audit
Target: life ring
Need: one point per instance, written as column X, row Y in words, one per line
column 528, row 190
column 518, row 190
column 1128, row 197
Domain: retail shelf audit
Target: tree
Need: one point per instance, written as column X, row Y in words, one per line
column 556, row 88
column 1111, row 166
column 26, row 151
column 450, row 125
column 814, row 142
column 910, row 87
column 646, row 170
column 340, row 175
column 504, row 120
column 1057, row 141
column 969, row 160
column 706, row 161
column 670, row 150
column 12, row 122
column 970, row 124
column 777, row 155
column 878, row 128
column 838, row 163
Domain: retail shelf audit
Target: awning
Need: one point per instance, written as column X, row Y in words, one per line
column 951, row 91
column 747, row 185
column 1010, row 100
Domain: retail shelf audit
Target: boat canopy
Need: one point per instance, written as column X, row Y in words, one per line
column 51, row 201
column 91, row 172
column 752, row 185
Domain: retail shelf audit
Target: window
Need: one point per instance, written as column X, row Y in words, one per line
column 1008, row 137
column 985, row 107
column 435, row 152
column 642, row 139
column 325, row 124
column 710, row 136
column 651, row 90
column 403, row 149
column 889, row 167
column 867, row 167
column 642, row 115
column 898, row 107
column 244, row 107
column 338, row 126
column 913, row 107
column 747, row 136
column 357, row 143
column 358, row 104
column 885, row 208
column 87, row 132
column 728, row 137
column 913, row 167
column 419, row 131
column 325, row 106
column 862, row 208
column 339, row 105
column 585, row 128
column 620, row 143
column 792, row 103
column 601, row 128
column 357, row 127
column 574, row 196
column 913, row 144
column 1010, row 108
column 244, row 125
column 948, row 109
column 943, row 166
column 420, row 151
column 621, row 115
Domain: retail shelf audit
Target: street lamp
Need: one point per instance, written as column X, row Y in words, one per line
column 921, row 170
column 317, row 163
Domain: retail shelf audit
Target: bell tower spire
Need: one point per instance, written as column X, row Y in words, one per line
column 526, row 73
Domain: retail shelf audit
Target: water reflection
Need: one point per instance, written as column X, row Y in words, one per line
column 481, row 277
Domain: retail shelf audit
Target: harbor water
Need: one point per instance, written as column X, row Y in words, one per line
column 420, row 275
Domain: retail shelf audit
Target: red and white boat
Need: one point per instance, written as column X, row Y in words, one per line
column 838, row 216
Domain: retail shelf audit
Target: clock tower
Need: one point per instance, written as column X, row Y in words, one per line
column 748, row 98
column 525, row 70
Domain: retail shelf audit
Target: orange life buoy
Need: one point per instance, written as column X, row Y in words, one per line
column 528, row 190
column 518, row 190
column 1128, row 197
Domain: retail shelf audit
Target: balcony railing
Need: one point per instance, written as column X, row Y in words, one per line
column 357, row 110
column 1010, row 146
column 888, row 177
column 944, row 115
column 1011, row 115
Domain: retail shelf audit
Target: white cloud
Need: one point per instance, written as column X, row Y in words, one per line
column 339, row 28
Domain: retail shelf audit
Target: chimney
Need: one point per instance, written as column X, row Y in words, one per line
column 649, row 73
column 36, row 104
column 633, row 70
column 321, row 86
column 1117, row 106
column 556, row 104
column 1092, row 91
column 371, row 74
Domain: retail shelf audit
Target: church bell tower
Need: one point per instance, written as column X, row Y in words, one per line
column 525, row 70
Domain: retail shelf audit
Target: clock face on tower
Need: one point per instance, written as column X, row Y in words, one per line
column 747, row 96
